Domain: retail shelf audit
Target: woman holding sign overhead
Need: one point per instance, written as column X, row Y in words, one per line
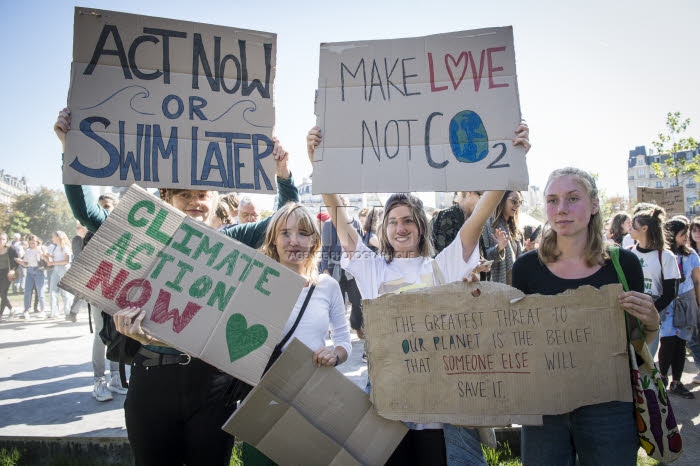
column 176, row 404
column 572, row 253
column 405, row 261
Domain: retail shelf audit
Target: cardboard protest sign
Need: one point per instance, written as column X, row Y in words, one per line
column 441, row 354
column 301, row 414
column 203, row 292
column 671, row 199
column 174, row 104
column 434, row 113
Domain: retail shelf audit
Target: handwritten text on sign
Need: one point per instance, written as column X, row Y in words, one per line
column 443, row 355
column 166, row 103
column 434, row 113
column 203, row 292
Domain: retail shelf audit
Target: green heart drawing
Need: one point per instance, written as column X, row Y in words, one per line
column 242, row 339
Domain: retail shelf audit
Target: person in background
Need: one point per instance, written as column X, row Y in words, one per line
column 573, row 253
column 35, row 279
column 372, row 221
column 7, row 263
column 661, row 272
column 77, row 246
column 531, row 236
column 619, row 227
column 694, row 342
column 673, row 339
column 502, row 240
column 247, row 211
column 405, row 260
column 59, row 258
column 18, row 284
column 231, row 201
column 176, row 404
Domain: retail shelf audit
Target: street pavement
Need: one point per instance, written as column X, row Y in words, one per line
column 46, row 386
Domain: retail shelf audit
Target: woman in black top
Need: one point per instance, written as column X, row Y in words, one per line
column 572, row 253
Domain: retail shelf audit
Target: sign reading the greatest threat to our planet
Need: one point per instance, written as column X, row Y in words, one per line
column 165, row 103
column 203, row 292
column 434, row 113
column 443, row 355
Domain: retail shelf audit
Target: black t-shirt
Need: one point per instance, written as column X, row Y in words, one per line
column 531, row 276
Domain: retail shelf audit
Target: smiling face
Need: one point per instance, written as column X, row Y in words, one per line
column 194, row 203
column 569, row 207
column 695, row 232
column 513, row 203
column 402, row 232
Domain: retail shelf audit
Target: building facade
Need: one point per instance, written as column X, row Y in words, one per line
column 11, row 187
column 640, row 173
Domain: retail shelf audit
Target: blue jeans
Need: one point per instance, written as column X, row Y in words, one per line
column 599, row 434
column 462, row 446
column 35, row 279
column 54, row 291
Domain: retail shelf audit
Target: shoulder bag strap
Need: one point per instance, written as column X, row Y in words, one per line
column 661, row 263
column 437, row 274
column 301, row 313
column 614, row 252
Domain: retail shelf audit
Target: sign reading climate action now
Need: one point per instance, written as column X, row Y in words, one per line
column 203, row 292
column 442, row 354
column 170, row 104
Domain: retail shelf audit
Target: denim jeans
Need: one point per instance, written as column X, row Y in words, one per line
column 54, row 291
column 599, row 434
column 463, row 446
column 99, row 349
column 35, row 279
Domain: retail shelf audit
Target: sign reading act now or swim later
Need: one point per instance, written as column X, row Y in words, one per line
column 442, row 354
column 165, row 103
column 203, row 292
column 434, row 113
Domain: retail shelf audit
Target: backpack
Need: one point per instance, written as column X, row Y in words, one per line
column 120, row 348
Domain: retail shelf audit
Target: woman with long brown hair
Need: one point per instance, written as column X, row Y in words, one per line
column 503, row 242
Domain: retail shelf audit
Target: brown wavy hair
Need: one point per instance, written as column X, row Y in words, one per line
column 512, row 222
column 415, row 205
column 595, row 252
column 653, row 218
column 616, row 233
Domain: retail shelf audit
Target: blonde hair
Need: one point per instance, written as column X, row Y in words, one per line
column 594, row 252
column 63, row 242
column 306, row 222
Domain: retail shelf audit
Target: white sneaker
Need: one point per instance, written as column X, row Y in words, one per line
column 40, row 315
column 100, row 391
column 696, row 379
column 115, row 385
column 25, row 315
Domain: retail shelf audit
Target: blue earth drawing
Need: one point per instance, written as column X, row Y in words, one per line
column 468, row 138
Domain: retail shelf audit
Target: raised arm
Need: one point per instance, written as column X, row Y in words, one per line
column 253, row 234
column 347, row 234
column 472, row 228
column 80, row 198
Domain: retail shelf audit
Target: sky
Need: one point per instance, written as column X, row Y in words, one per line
column 596, row 79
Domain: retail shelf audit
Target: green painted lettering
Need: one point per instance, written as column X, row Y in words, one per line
column 161, row 263
column 140, row 222
column 189, row 233
column 212, row 252
column 229, row 261
column 263, row 279
column 200, row 287
column 184, row 268
column 154, row 228
column 147, row 248
column 221, row 295
column 119, row 248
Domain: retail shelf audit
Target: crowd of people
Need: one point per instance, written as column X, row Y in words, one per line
column 386, row 250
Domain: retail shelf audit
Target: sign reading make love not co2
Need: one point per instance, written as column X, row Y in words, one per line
column 203, row 292
column 174, row 104
column 434, row 113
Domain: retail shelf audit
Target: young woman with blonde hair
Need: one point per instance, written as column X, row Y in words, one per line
column 59, row 257
column 572, row 253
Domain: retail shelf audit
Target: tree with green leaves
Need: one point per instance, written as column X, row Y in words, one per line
column 672, row 142
column 41, row 213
